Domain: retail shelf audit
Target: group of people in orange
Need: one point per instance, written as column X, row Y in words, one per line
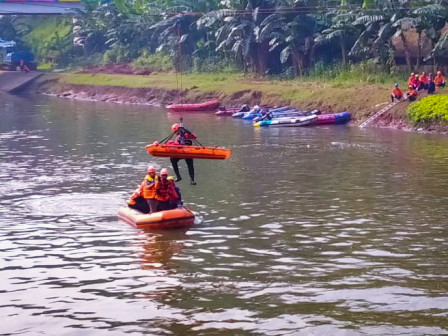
column 417, row 83
column 156, row 193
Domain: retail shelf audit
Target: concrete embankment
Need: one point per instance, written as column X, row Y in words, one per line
column 13, row 81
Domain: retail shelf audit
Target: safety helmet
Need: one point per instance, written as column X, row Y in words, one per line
column 423, row 73
column 175, row 127
column 411, row 87
column 164, row 171
column 396, row 84
column 439, row 72
column 256, row 107
column 412, row 74
column 416, row 75
column 171, row 178
column 151, row 169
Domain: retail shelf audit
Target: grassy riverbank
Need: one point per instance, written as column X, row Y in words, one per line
column 358, row 95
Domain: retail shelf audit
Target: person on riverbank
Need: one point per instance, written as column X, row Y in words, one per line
column 439, row 80
column 184, row 137
column 411, row 95
column 411, row 79
column 165, row 191
column 138, row 202
column 423, row 79
column 396, row 93
column 416, row 82
column 149, row 188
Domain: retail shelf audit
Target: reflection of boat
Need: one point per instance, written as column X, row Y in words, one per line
column 287, row 122
column 333, row 118
column 188, row 152
column 203, row 107
column 168, row 219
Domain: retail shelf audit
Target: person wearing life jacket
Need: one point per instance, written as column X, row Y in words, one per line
column 396, row 93
column 439, row 80
column 149, row 188
column 175, row 202
column 411, row 94
column 165, row 192
column 184, row 137
column 423, row 81
column 244, row 108
column 266, row 114
column 138, row 202
column 411, row 79
column 416, row 82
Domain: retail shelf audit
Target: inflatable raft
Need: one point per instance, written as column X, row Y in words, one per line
column 227, row 112
column 333, row 118
column 203, row 107
column 169, row 219
column 287, row 122
column 188, row 152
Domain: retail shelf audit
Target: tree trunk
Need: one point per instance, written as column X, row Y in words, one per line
column 406, row 51
column 419, row 49
column 343, row 51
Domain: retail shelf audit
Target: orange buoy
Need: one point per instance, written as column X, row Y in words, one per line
column 168, row 219
column 188, row 152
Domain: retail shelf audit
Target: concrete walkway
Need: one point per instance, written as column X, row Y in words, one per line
column 11, row 81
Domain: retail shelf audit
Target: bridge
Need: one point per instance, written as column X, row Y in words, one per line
column 39, row 7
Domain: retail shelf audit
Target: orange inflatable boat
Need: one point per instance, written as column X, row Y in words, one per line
column 168, row 219
column 188, row 152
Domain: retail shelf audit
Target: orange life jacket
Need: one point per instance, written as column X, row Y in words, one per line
column 135, row 194
column 149, row 187
column 165, row 190
column 439, row 79
column 412, row 92
column 411, row 80
column 396, row 92
column 423, row 79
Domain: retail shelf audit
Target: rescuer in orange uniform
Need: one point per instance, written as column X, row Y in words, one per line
column 423, row 81
column 396, row 93
column 138, row 202
column 439, row 80
column 164, row 191
column 149, row 188
column 411, row 94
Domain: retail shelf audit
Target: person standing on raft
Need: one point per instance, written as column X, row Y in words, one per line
column 184, row 137
column 149, row 188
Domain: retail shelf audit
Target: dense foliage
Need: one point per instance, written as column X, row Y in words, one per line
column 429, row 108
column 267, row 37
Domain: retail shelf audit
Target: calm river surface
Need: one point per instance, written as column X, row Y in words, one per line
column 304, row 231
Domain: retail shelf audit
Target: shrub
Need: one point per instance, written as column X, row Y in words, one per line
column 117, row 54
column 429, row 108
column 214, row 64
column 154, row 62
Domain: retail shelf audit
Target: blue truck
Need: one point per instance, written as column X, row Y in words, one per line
column 11, row 56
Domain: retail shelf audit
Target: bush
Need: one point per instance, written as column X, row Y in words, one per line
column 117, row 54
column 215, row 64
column 429, row 108
column 154, row 62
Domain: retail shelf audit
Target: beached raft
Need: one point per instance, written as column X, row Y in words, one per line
column 188, row 152
column 168, row 219
column 333, row 118
column 287, row 122
column 202, row 107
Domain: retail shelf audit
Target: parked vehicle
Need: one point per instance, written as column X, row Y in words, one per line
column 11, row 57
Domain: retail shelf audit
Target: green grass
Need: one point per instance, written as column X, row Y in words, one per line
column 431, row 108
column 44, row 66
column 357, row 97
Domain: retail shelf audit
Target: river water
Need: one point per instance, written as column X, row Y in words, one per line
column 304, row 231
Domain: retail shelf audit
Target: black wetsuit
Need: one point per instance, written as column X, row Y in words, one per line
column 185, row 137
column 140, row 204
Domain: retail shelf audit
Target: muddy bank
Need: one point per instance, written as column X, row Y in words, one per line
column 395, row 118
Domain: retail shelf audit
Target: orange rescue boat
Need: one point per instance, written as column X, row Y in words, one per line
column 188, row 152
column 168, row 219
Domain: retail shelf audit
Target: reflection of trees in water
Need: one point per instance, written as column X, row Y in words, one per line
column 160, row 247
